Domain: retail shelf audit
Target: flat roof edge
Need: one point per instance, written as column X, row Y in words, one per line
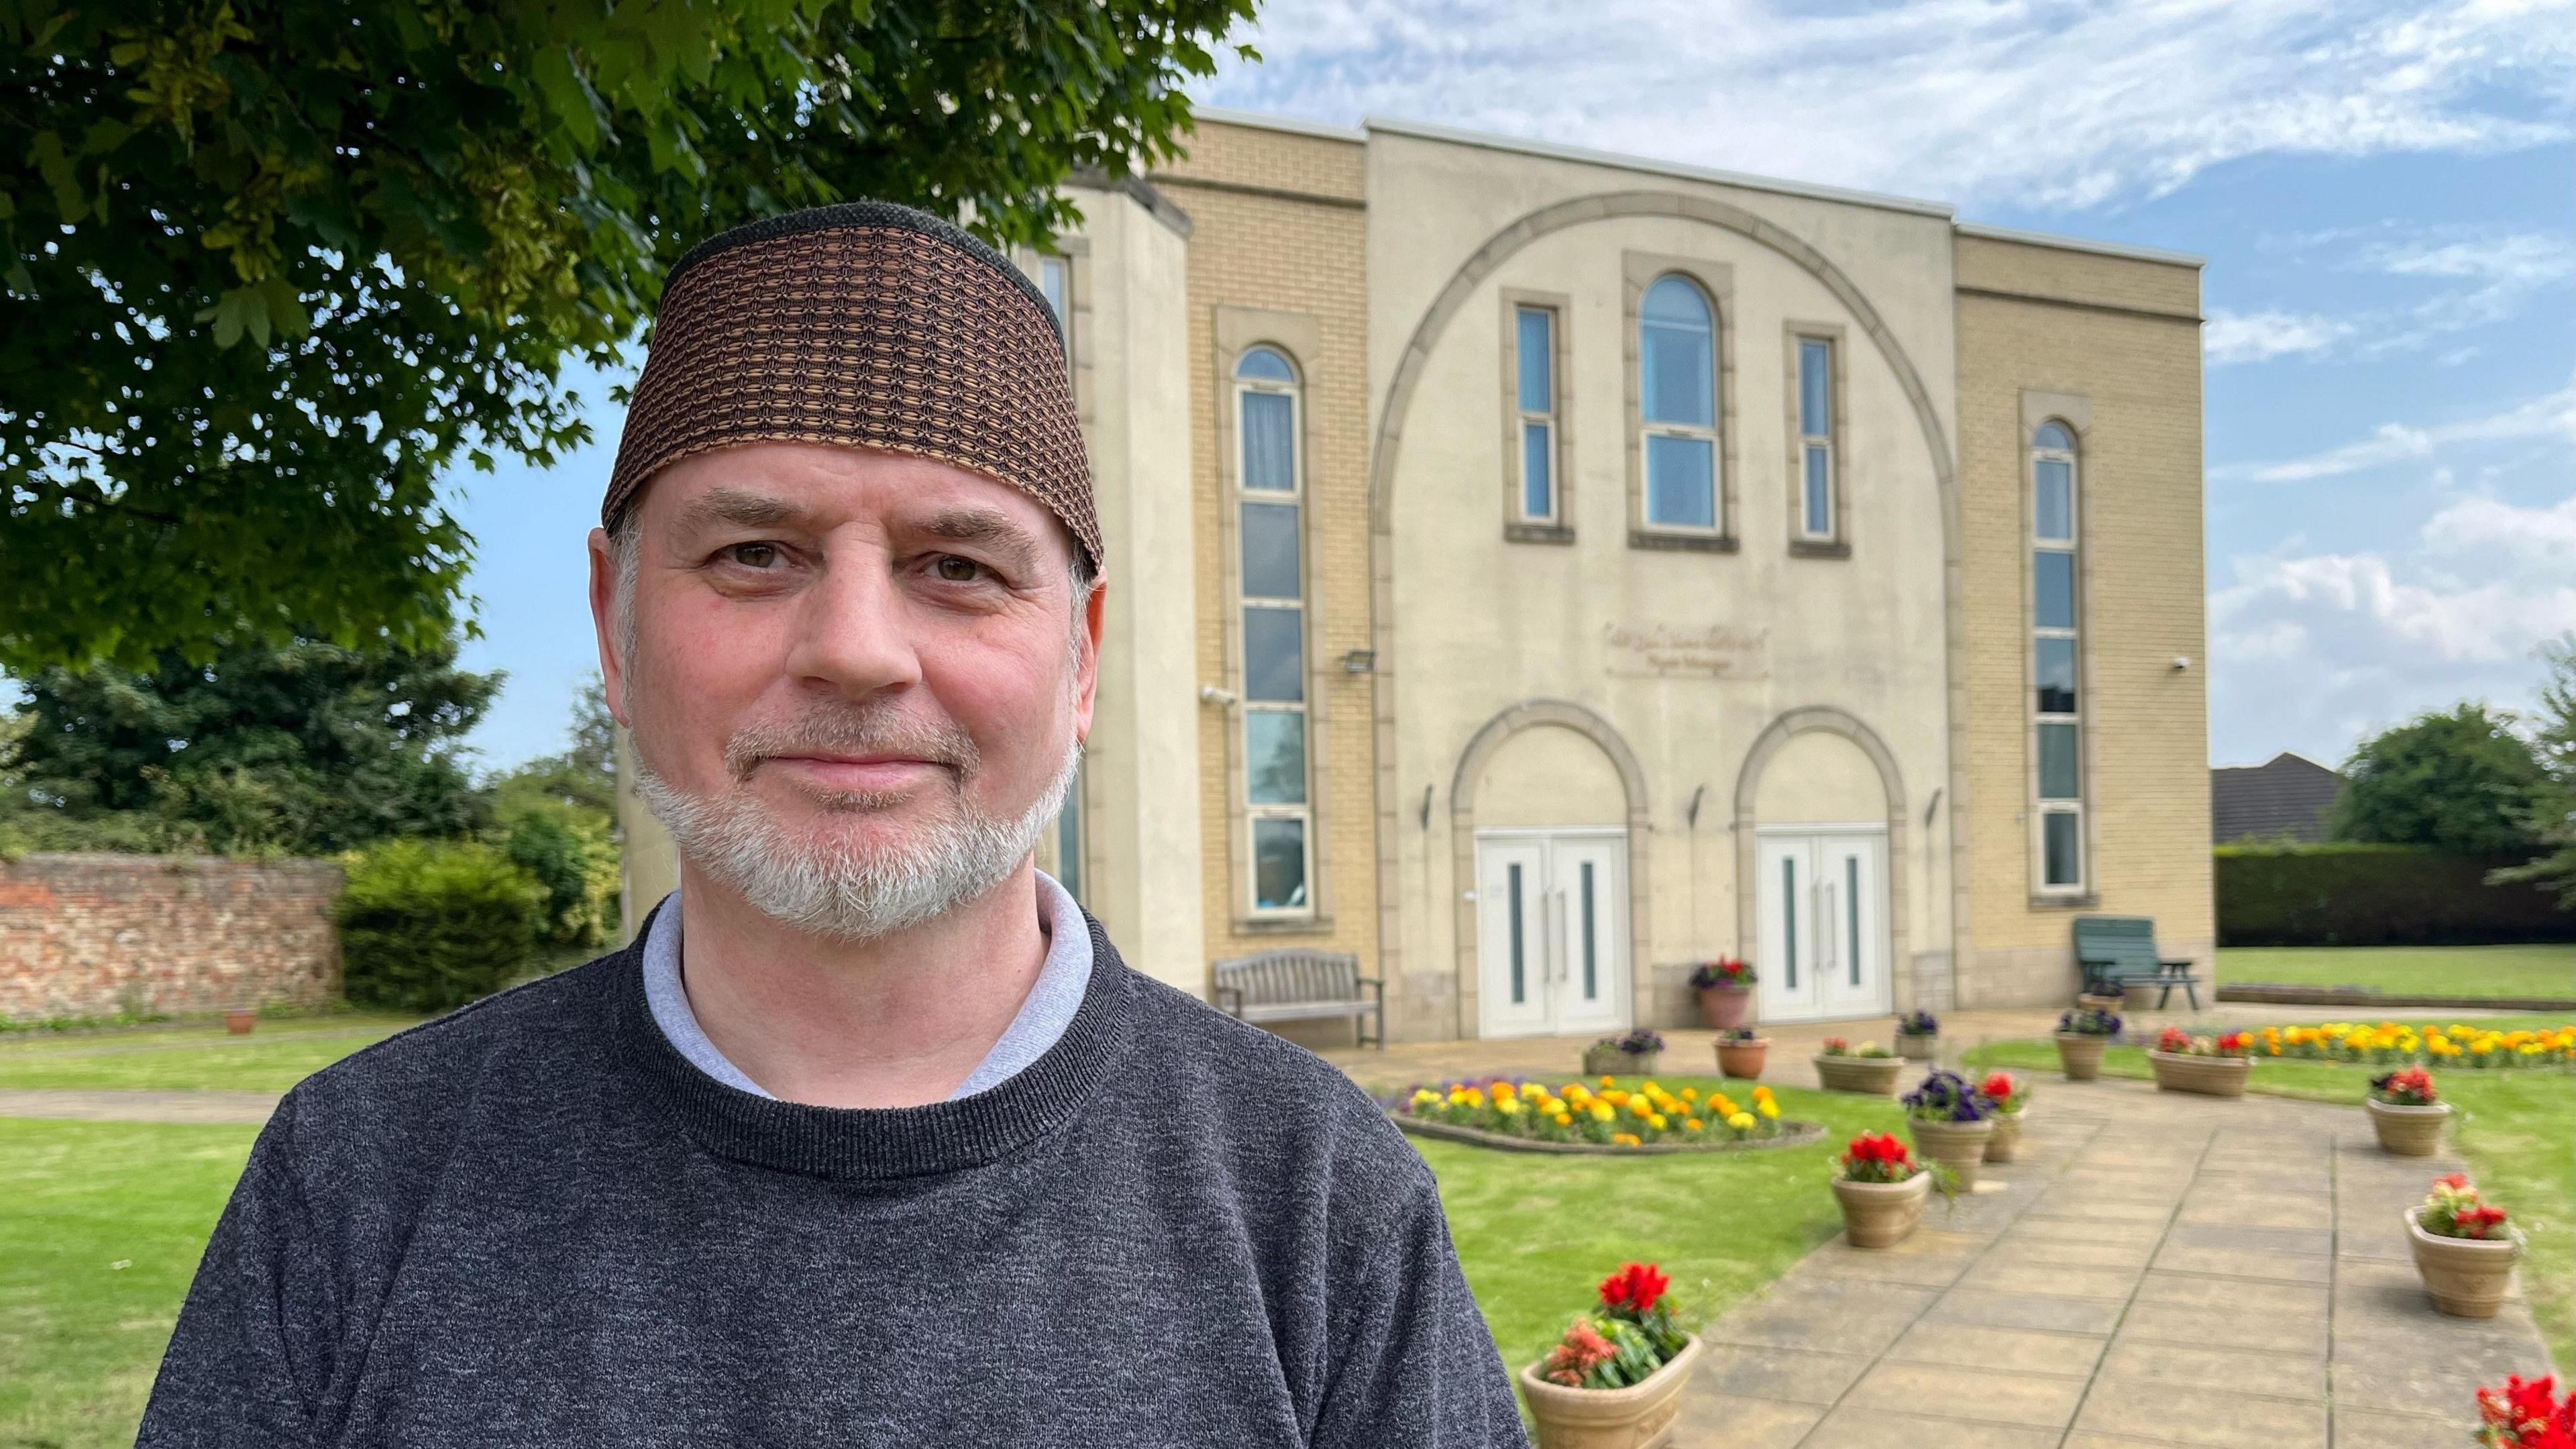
column 1430, row 131
column 1227, row 115
column 2082, row 244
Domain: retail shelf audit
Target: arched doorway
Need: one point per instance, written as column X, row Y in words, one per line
column 1820, row 824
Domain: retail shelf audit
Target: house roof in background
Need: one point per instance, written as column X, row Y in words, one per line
column 2286, row 796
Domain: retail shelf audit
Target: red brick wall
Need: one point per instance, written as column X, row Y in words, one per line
column 93, row 935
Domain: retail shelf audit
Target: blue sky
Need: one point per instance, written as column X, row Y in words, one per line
column 2386, row 194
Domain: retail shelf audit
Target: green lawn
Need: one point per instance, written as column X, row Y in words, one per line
column 271, row 1059
column 2532, row 972
column 2515, row 1129
column 103, row 1227
column 1536, row 1233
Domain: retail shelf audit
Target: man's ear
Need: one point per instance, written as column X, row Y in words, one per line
column 603, row 623
column 1086, row 664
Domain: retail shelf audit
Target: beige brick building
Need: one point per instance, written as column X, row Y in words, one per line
column 1537, row 571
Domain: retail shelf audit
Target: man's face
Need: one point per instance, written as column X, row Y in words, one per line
column 855, row 679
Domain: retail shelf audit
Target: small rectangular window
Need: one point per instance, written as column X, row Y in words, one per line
column 1534, row 396
column 2053, row 506
column 1681, row 481
column 1269, row 442
column 2061, row 774
column 1274, row 654
column 2062, row 848
column 1816, row 436
column 1270, row 552
column 2053, row 589
column 2056, row 670
column 1274, row 748
column 1279, row 864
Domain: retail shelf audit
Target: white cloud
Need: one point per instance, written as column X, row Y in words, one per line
column 2551, row 415
column 2261, row 336
column 2310, row 649
column 2049, row 103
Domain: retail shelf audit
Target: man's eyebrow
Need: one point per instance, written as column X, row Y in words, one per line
column 734, row 508
column 995, row 531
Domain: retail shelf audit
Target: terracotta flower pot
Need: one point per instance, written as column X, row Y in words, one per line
column 2468, row 1277
column 1725, row 1007
column 240, row 1020
column 2080, row 1054
column 1639, row 1416
column 1923, row 1048
column 2005, row 1144
column 1873, row 1075
column 1612, row 1062
column 1742, row 1058
column 2209, row 1076
column 1958, row 1146
column 1882, row 1214
column 2408, row 1131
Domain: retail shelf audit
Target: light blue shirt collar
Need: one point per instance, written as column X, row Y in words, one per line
column 1042, row 1018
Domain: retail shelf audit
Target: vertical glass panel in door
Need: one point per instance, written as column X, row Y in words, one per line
column 1519, row 907
column 1274, row 654
column 1279, row 865
column 1269, row 442
column 2056, row 670
column 1680, row 482
column 1274, row 756
column 1789, row 904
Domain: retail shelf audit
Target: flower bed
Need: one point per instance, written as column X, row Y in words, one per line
column 2392, row 1043
column 1604, row 1118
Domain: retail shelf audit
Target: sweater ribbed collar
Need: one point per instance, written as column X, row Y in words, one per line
column 865, row 1143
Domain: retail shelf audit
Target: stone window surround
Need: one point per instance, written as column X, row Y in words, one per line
column 1838, row 544
column 1716, row 281
column 1516, row 528
column 2075, row 411
column 1301, row 336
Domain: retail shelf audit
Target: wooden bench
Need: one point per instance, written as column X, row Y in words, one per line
column 2120, row 952
column 1297, row 985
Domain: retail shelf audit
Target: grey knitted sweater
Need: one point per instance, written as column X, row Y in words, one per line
column 532, row 1222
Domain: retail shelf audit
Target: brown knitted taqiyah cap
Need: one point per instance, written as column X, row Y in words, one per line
column 865, row 324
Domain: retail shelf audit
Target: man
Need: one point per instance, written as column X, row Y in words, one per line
column 870, row 1138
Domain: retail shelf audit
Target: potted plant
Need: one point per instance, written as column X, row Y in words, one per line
column 240, row 1020
column 1740, row 1052
column 2096, row 996
column 2213, row 1066
column 1951, row 1121
column 1869, row 1067
column 2406, row 1112
column 2009, row 1094
column 2081, row 1036
column 1725, row 988
column 1918, row 1036
column 2526, row 1415
column 1632, row 1055
column 2464, row 1249
column 1882, row 1189
column 1615, row 1380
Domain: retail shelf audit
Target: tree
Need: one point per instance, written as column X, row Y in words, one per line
column 555, row 818
column 272, row 264
column 2551, row 819
column 2458, row 780
column 308, row 749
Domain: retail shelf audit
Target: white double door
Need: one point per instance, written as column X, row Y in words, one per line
column 1821, row 899
column 1551, row 931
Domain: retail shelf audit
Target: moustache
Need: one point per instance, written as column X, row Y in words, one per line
column 844, row 731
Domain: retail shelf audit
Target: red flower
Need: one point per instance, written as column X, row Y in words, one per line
column 2526, row 1415
column 1998, row 1086
column 1876, row 1147
column 1635, row 1287
column 2476, row 1221
column 2455, row 1181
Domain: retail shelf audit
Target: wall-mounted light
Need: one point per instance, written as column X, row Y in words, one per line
column 2182, row 661
column 1359, row 661
column 1210, row 694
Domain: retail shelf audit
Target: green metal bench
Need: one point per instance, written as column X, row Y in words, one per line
column 2119, row 952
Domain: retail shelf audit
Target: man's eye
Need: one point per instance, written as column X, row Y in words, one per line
column 954, row 570
column 754, row 555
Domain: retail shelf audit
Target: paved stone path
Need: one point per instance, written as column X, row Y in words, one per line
column 136, row 1105
column 2159, row 1270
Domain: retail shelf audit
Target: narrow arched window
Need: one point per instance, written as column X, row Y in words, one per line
column 1269, row 517
column 1677, row 405
column 2057, row 659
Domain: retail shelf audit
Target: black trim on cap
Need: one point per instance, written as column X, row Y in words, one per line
column 866, row 214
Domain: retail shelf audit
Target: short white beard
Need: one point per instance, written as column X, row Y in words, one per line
column 841, row 893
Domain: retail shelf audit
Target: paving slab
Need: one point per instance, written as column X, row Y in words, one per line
column 1949, row 1392
column 2363, row 1429
column 1854, row 1427
column 1795, row 1376
column 2182, row 1414
column 2237, row 1370
column 1726, row 1421
column 2025, row 1310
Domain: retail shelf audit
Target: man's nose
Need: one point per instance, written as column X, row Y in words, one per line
column 853, row 632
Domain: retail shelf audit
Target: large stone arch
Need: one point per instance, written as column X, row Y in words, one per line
column 1386, row 447
column 1480, row 751
column 1748, row 783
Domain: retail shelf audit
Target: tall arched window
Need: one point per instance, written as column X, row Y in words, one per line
column 1269, row 508
column 1677, row 405
column 2057, row 659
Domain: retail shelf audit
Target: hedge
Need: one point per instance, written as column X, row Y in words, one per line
column 426, row 925
column 2376, row 895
